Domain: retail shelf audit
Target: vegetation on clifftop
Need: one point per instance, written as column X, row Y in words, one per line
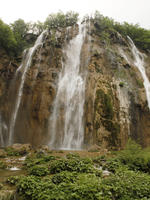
column 106, row 27
column 13, row 37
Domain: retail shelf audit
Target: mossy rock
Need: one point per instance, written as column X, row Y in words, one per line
column 114, row 128
column 106, row 107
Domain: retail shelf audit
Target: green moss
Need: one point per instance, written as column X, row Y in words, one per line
column 139, row 83
column 114, row 128
column 105, row 100
column 121, row 84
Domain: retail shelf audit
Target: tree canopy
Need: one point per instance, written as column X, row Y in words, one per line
column 13, row 36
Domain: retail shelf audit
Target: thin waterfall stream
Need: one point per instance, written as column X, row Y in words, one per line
column 26, row 63
column 66, row 122
column 139, row 63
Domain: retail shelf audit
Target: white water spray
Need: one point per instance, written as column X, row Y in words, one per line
column 26, row 63
column 139, row 62
column 66, row 123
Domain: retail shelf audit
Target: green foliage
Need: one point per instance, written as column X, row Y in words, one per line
column 121, row 84
column 12, row 152
column 105, row 100
column 13, row 180
column 64, row 176
column 72, row 156
column 39, row 170
column 106, row 27
column 36, row 159
column 76, row 178
column 125, row 184
column 103, row 23
column 60, row 19
column 28, row 187
column 78, row 165
column 7, row 39
column 139, row 35
column 20, row 27
column 2, row 165
column 113, row 164
column 135, row 158
column 82, row 187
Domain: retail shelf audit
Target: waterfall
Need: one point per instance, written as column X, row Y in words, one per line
column 1, row 133
column 26, row 63
column 66, row 122
column 139, row 63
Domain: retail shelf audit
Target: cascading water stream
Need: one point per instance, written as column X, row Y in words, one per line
column 26, row 63
column 139, row 62
column 66, row 122
column 1, row 133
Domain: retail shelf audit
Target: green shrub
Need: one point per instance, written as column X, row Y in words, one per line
column 28, row 187
column 107, row 27
column 127, row 184
column 64, row 176
column 70, row 165
column 13, row 180
column 39, row 170
column 135, row 157
column 7, row 39
column 11, row 152
column 112, row 164
column 37, row 159
column 60, row 19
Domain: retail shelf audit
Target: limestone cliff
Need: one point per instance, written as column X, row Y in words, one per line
column 115, row 101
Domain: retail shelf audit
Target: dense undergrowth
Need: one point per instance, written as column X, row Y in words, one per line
column 72, row 177
column 13, row 37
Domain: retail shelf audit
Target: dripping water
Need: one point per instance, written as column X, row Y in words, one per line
column 66, row 122
column 139, row 63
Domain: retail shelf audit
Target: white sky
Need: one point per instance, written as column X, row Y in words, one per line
column 132, row 11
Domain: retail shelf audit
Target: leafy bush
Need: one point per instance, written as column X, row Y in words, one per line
column 135, row 157
column 106, row 27
column 39, row 170
column 128, row 185
column 13, row 180
column 11, row 152
column 112, row 164
column 36, row 159
column 28, row 187
column 64, row 176
column 7, row 39
column 60, row 19
column 139, row 35
column 71, row 165
column 85, row 187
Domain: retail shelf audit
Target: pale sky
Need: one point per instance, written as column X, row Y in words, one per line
column 132, row 11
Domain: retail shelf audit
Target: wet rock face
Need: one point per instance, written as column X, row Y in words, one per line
column 115, row 101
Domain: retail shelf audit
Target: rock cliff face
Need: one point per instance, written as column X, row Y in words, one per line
column 115, row 101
